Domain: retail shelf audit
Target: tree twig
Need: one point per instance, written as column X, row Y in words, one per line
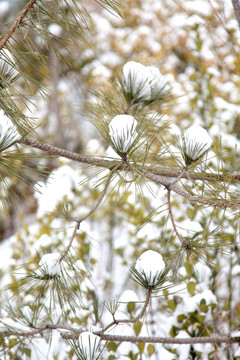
column 185, row 194
column 172, row 219
column 78, row 222
column 16, row 23
column 127, row 321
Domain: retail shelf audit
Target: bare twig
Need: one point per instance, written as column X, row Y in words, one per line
column 172, row 220
column 78, row 222
column 17, row 22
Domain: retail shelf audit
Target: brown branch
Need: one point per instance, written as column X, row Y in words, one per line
column 78, row 222
column 165, row 340
column 16, row 23
column 133, row 339
column 236, row 7
column 185, row 194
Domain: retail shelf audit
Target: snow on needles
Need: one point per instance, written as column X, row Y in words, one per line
column 196, row 142
column 142, row 83
column 150, row 265
column 49, row 264
column 122, row 131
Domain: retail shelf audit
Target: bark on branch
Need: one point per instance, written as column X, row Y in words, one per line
column 167, row 340
column 148, row 172
column 70, row 332
column 16, row 23
column 160, row 170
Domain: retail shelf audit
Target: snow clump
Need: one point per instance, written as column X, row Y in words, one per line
column 142, row 83
column 150, row 265
column 196, row 142
column 122, row 131
column 49, row 264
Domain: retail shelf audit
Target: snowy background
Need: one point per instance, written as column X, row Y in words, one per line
column 195, row 46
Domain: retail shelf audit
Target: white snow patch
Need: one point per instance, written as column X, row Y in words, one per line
column 49, row 264
column 122, row 130
column 150, row 265
column 197, row 141
column 89, row 344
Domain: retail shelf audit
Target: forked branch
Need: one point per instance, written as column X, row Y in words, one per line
column 128, row 321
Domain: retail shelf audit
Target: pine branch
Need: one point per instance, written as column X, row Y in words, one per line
column 153, row 175
column 110, row 164
column 16, row 23
column 172, row 220
column 133, row 339
column 186, row 195
column 167, row 340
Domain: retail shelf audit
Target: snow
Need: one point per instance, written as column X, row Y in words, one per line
column 49, row 264
column 55, row 29
column 122, row 131
column 150, row 265
column 197, row 141
column 136, row 79
column 183, row 350
column 142, row 82
column 58, row 186
column 127, row 296
column 4, row 7
column 7, row 129
column 90, row 345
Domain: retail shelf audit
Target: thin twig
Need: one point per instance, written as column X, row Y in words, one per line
column 16, row 23
column 78, row 222
column 172, row 219
column 128, row 321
